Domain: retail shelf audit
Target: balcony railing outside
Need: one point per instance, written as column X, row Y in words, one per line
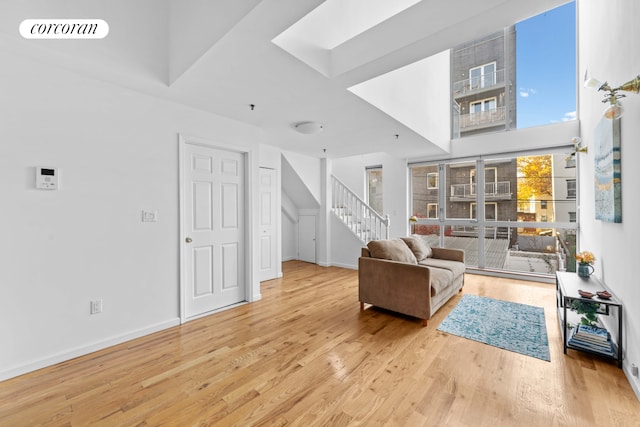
column 485, row 81
column 489, row 232
column 482, row 118
column 491, row 189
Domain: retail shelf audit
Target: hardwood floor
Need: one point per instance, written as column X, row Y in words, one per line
column 307, row 356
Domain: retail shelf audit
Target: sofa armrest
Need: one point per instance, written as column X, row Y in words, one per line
column 396, row 286
column 450, row 254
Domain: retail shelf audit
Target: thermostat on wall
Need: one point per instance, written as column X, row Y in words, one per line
column 46, row 178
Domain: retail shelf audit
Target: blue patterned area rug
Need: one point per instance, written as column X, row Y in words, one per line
column 515, row 327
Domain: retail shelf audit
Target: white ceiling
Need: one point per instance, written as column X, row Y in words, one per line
column 218, row 56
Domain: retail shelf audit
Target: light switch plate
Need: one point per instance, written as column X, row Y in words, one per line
column 149, row 216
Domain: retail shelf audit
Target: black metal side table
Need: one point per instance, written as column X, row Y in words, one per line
column 567, row 286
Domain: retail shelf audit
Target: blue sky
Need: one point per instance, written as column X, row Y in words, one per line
column 546, row 67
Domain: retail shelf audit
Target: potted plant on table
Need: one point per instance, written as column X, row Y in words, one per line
column 588, row 311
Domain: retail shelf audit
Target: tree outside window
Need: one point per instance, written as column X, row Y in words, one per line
column 535, row 180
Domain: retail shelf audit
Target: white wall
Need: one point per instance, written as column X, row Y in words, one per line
column 612, row 55
column 117, row 153
column 308, row 169
column 289, row 229
column 533, row 138
column 196, row 25
column 413, row 100
column 289, row 239
column 270, row 157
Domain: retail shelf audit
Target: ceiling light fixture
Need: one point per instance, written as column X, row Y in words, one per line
column 309, row 128
column 615, row 109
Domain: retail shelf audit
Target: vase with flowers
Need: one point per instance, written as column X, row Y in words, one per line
column 585, row 263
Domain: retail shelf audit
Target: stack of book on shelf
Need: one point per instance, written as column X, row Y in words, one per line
column 591, row 338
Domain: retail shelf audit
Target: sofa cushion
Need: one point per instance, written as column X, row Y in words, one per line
column 418, row 246
column 394, row 250
column 440, row 279
column 455, row 267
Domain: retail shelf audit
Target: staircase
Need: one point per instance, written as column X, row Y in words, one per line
column 364, row 222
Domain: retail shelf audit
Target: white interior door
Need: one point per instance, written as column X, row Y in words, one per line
column 268, row 224
column 307, row 238
column 213, row 227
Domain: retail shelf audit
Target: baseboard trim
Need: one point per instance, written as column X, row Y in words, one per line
column 349, row 266
column 84, row 350
column 218, row 310
column 626, row 367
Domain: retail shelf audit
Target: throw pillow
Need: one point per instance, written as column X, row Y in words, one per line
column 418, row 246
column 394, row 250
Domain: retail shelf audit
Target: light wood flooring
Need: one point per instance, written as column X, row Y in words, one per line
column 305, row 355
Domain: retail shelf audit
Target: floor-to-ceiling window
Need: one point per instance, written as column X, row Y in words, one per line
column 545, row 60
column 513, row 213
column 518, row 77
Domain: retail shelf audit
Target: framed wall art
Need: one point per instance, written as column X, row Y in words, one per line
column 608, row 184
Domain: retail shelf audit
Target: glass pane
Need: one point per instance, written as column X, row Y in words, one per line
column 546, row 189
column 374, row 189
column 489, row 75
column 497, row 242
column 539, row 190
column 475, row 75
column 567, row 242
column 460, row 192
column 500, row 189
column 546, row 67
column 508, row 249
column 430, row 233
column 490, row 104
column 424, row 191
column 463, row 237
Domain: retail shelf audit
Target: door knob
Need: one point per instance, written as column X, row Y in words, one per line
column 188, row 240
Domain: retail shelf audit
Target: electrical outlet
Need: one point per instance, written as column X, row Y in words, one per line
column 96, row 306
column 634, row 370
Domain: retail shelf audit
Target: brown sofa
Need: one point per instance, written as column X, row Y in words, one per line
column 407, row 276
